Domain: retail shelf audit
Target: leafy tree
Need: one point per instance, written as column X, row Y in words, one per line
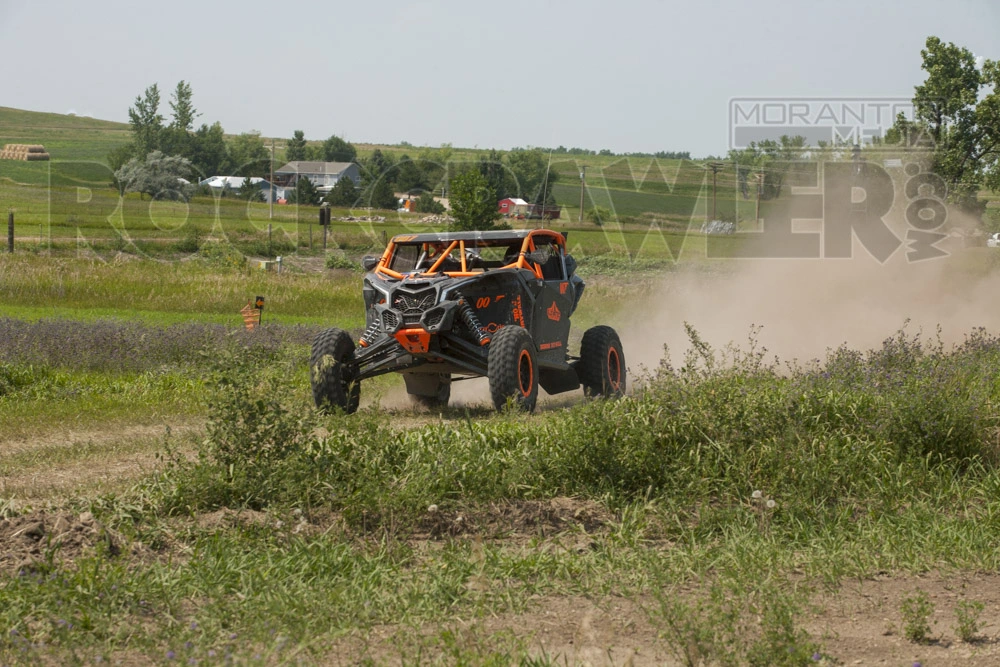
column 305, row 192
column 117, row 158
column 156, row 175
column 498, row 178
column 377, row 167
column 249, row 156
column 433, row 164
column 343, row 194
column 183, row 108
column 210, row 155
column 146, row 122
column 296, row 148
column 250, row 191
column 176, row 138
column 532, row 178
column 473, row 202
column 958, row 108
column 772, row 158
column 336, row 149
column 314, row 153
column 381, row 195
column 409, row 175
column 427, row 204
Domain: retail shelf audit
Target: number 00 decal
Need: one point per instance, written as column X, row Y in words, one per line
column 483, row 302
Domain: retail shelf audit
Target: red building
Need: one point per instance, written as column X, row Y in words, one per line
column 513, row 207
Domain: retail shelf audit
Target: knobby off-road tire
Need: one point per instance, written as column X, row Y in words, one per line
column 430, row 391
column 602, row 363
column 513, row 369
column 329, row 371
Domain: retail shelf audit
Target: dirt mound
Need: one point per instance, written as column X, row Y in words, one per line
column 28, row 542
column 536, row 518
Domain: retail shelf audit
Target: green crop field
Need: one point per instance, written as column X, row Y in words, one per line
column 169, row 494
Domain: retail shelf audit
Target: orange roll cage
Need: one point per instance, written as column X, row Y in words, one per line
column 527, row 246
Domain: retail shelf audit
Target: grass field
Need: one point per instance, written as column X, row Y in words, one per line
column 168, row 494
column 212, row 514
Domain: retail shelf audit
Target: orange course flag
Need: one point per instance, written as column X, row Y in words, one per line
column 251, row 316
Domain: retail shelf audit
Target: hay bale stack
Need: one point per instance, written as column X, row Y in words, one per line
column 26, row 152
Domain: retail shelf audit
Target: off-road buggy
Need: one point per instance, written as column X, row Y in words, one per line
column 451, row 306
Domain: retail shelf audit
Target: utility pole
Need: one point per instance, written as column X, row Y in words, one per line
column 760, row 186
column 545, row 193
column 270, row 185
column 583, row 184
column 715, row 167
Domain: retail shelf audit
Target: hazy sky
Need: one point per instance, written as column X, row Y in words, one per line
column 634, row 75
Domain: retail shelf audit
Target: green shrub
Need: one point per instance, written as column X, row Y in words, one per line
column 222, row 255
column 736, row 623
column 916, row 610
column 341, row 261
column 191, row 243
column 967, row 623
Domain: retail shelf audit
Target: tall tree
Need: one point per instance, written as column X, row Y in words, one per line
column 409, row 176
column 210, row 155
column 473, row 203
column 948, row 96
column 249, row 156
column 492, row 168
column 146, row 121
column 305, row 192
column 532, row 178
column 336, row 149
column 250, row 191
column 964, row 125
column 378, row 166
column 380, row 195
column 343, row 194
column 295, row 151
column 183, row 108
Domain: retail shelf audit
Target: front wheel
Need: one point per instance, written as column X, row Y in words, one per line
column 331, row 374
column 513, row 369
column 602, row 363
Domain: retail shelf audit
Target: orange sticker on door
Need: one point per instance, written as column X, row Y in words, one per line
column 553, row 312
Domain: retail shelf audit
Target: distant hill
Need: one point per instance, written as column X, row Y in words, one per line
column 79, row 146
column 629, row 186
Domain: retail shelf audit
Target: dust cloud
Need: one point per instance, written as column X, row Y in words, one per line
column 806, row 307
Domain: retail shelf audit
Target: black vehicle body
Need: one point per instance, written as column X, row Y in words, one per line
column 436, row 305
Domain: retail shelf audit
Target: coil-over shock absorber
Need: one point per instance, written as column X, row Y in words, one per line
column 468, row 316
column 370, row 334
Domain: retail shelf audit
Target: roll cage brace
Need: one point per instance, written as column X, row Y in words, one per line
column 529, row 244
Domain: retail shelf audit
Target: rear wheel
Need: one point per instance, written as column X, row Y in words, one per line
column 513, row 369
column 429, row 391
column 602, row 363
column 330, row 372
